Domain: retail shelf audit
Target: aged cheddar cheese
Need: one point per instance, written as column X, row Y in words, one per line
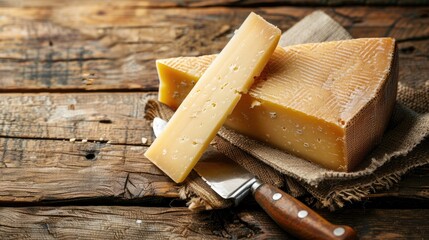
column 206, row 107
column 326, row 102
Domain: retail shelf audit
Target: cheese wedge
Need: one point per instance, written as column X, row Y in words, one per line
column 328, row 102
column 205, row 109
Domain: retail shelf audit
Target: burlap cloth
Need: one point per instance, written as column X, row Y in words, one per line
column 403, row 146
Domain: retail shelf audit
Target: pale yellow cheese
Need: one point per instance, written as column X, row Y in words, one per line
column 326, row 102
column 206, row 107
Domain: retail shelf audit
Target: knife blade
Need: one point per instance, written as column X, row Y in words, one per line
column 231, row 181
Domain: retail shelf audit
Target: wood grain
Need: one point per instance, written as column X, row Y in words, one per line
column 211, row 3
column 113, row 47
column 414, row 185
column 77, row 146
column 384, row 223
column 116, row 222
column 116, row 118
column 56, row 170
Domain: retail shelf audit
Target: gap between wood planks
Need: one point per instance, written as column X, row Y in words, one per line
column 76, row 140
column 106, row 89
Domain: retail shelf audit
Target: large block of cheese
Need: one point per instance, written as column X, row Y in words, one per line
column 205, row 109
column 326, row 102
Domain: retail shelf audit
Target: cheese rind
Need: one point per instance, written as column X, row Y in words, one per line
column 212, row 99
column 326, row 102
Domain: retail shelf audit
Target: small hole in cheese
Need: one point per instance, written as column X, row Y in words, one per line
column 233, row 68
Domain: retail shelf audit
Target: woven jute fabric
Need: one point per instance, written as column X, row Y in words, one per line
column 402, row 148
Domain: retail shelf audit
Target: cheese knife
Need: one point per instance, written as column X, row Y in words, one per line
column 231, row 181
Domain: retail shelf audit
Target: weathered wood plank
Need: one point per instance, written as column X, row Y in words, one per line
column 113, row 222
column 211, row 3
column 55, row 170
column 57, row 147
column 102, row 117
column 414, row 185
column 384, row 223
column 114, row 46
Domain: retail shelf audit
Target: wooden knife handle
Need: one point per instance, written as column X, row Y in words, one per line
column 295, row 217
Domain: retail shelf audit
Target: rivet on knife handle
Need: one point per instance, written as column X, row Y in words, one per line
column 297, row 218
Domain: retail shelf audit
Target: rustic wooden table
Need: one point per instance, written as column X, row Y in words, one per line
column 73, row 80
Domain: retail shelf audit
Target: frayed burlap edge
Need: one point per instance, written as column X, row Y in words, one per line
column 334, row 194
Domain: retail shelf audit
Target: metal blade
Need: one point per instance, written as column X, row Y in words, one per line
column 158, row 126
column 223, row 175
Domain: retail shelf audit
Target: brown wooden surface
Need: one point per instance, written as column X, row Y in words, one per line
column 114, row 47
column 116, row 117
column 211, row 3
column 73, row 82
column 92, row 143
column 119, row 222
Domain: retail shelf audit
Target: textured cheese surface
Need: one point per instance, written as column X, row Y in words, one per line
column 212, row 99
column 326, row 102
